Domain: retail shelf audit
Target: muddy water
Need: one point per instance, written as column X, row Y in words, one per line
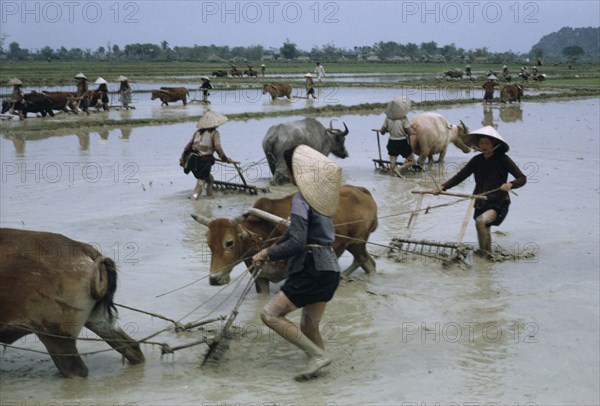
column 237, row 99
column 416, row 332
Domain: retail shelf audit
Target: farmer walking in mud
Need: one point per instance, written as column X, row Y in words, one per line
column 205, row 87
column 124, row 91
column 319, row 71
column 490, row 169
column 313, row 269
column 16, row 96
column 82, row 92
column 398, row 126
column 198, row 153
column 310, row 89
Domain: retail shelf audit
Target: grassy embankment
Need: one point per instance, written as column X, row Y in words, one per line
column 563, row 82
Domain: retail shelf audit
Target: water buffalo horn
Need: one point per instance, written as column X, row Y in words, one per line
column 201, row 219
column 345, row 129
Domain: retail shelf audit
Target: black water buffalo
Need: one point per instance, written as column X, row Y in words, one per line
column 220, row 73
column 251, row 73
column 32, row 103
column 454, row 73
column 308, row 131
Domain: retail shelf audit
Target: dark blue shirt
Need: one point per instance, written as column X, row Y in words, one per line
column 309, row 232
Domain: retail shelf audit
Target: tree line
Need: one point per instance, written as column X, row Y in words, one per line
column 383, row 50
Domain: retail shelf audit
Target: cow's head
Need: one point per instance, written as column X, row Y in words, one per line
column 267, row 88
column 338, row 147
column 228, row 243
column 461, row 139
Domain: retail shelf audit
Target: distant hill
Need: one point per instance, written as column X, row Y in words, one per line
column 587, row 38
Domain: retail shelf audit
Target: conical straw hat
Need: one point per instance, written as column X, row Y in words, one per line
column 80, row 76
column 318, row 178
column 100, row 81
column 122, row 79
column 488, row 131
column 398, row 108
column 15, row 81
column 211, row 119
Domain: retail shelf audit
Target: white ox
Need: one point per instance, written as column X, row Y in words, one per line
column 431, row 133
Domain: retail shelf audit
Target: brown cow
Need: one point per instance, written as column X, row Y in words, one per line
column 53, row 286
column 171, row 94
column 234, row 241
column 511, row 93
column 277, row 90
column 64, row 101
column 431, row 133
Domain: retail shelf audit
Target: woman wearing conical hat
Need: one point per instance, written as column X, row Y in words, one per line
column 198, row 153
column 124, row 91
column 310, row 86
column 82, row 92
column 100, row 96
column 313, row 269
column 490, row 169
column 17, row 95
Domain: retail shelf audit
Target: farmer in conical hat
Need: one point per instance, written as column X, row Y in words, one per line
column 17, row 95
column 398, row 126
column 310, row 90
column 82, row 92
column 205, row 87
column 100, row 96
column 490, row 169
column 313, row 269
column 124, row 91
column 198, row 153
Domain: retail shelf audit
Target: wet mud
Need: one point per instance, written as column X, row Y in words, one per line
column 523, row 330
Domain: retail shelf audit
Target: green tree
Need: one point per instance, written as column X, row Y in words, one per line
column 289, row 50
column 573, row 52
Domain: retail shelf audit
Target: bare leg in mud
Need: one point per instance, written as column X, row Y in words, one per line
column 198, row 189
column 483, row 230
column 306, row 336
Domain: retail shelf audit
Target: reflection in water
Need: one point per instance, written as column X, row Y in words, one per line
column 488, row 116
column 104, row 134
column 125, row 132
column 511, row 113
column 84, row 139
column 486, row 336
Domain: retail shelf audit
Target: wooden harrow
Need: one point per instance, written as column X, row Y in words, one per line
column 244, row 186
column 443, row 251
column 383, row 165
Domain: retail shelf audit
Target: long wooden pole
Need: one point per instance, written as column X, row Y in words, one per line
column 378, row 143
column 427, row 192
column 466, row 220
column 413, row 216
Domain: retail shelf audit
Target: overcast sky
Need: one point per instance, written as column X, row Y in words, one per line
column 498, row 25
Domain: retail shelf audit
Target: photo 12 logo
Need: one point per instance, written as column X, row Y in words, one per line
column 54, row 12
column 469, row 11
column 270, row 12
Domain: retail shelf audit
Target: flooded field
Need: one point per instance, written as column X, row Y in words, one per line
column 519, row 332
column 236, row 99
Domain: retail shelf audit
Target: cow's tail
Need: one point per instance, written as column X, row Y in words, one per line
column 104, row 286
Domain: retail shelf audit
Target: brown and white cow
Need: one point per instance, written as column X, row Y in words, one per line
column 511, row 93
column 277, row 90
column 234, row 241
column 63, row 101
column 170, row 94
column 431, row 133
column 53, row 286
